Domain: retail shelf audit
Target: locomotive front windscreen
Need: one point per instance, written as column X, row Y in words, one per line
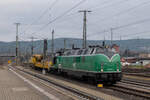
column 107, row 51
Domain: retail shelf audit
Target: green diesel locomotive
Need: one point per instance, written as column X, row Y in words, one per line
column 99, row 64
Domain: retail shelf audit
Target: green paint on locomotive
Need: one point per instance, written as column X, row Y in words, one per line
column 93, row 63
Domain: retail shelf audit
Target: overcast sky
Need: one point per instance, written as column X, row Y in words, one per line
column 106, row 14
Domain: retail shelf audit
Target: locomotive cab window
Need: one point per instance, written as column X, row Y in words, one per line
column 109, row 52
column 65, row 53
column 89, row 51
column 94, row 51
column 99, row 50
column 76, row 52
column 73, row 52
column 69, row 53
column 84, row 51
column 79, row 52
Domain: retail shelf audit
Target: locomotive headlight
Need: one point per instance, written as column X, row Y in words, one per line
column 117, row 70
column 59, row 66
column 118, row 67
column 102, row 68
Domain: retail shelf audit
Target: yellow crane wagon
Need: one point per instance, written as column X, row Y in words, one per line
column 37, row 61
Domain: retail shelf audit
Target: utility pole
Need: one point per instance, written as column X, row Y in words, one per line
column 52, row 43
column 17, row 24
column 32, row 47
column 120, row 40
column 111, row 35
column 44, row 54
column 84, row 27
column 45, row 48
column 104, row 38
column 103, row 42
column 64, row 44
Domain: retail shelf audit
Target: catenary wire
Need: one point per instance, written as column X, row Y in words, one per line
column 60, row 16
column 41, row 16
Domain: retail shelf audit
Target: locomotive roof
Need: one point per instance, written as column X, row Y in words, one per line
column 90, row 50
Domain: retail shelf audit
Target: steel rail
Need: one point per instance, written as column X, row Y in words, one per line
column 131, row 91
column 79, row 93
column 138, row 74
column 139, row 83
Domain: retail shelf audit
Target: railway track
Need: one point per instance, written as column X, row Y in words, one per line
column 138, row 74
column 132, row 92
column 129, row 87
column 135, row 82
column 134, row 88
column 77, row 93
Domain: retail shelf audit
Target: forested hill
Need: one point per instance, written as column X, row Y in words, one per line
column 25, row 46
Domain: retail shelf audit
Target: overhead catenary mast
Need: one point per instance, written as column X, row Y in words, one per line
column 17, row 24
column 64, row 44
column 84, row 27
column 111, row 35
column 120, row 40
column 32, row 46
column 52, row 45
column 44, row 55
